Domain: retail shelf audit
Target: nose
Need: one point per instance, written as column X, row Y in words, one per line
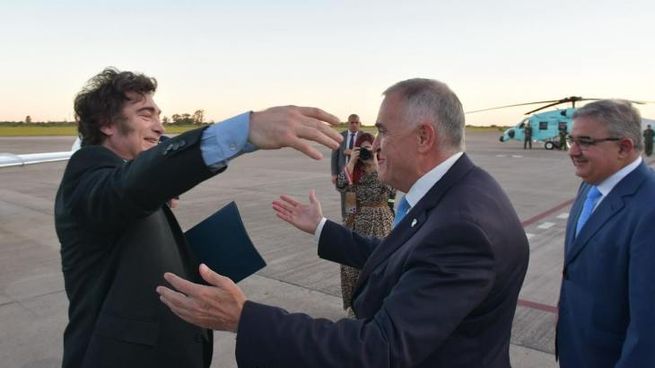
column 376, row 144
column 159, row 126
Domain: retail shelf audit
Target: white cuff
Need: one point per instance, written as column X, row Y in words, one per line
column 319, row 229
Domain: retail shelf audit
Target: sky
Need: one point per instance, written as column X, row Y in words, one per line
column 226, row 57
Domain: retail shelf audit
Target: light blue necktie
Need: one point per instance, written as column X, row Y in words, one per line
column 587, row 208
column 401, row 211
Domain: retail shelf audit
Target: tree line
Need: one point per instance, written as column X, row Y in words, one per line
column 197, row 118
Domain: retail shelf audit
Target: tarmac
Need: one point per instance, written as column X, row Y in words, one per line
column 33, row 303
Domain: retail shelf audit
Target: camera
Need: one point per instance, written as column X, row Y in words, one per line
column 365, row 154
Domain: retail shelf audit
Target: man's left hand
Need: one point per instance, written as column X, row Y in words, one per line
column 216, row 306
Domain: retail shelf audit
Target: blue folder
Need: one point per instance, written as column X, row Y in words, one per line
column 221, row 242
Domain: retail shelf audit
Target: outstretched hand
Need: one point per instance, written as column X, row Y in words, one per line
column 293, row 126
column 216, row 306
column 305, row 217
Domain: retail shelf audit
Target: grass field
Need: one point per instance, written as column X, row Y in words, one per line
column 40, row 130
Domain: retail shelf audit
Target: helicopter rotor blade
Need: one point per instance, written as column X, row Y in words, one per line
column 549, row 103
column 506, row 106
column 544, row 107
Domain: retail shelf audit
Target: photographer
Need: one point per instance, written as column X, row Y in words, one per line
column 367, row 212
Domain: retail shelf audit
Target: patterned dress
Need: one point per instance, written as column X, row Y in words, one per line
column 372, row 217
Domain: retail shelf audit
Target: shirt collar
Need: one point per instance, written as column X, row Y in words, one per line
column 608, row 184
column 429, row 179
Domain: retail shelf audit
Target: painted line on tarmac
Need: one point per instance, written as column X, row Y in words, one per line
column 537, row 306
column 546, row 213
column 528, row 303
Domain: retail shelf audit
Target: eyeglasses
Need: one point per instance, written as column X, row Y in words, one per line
column 586, row 142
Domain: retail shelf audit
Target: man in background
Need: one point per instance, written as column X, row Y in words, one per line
column 648, row 141
column 607, row 297
column 341, row 155
column 527, row 135
column 439, row 291
column 118, row 235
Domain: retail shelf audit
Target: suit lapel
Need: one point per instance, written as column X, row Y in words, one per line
column 189, row 260
column 608, row 208
column 414, row 219
column 574, row 213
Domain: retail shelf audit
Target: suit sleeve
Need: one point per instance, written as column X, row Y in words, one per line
column 445, row 279
column 341, row 245
column 102, row 190
column 640, row 337
column 334, row 162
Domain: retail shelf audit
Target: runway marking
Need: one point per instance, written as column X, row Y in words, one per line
column 546, row 225
column 529, row 235
column 546, row 213
column 563, row 215
column 527, row 303
column 537, row 306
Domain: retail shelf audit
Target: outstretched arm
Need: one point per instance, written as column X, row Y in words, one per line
column 305, row 217
column 217, row 305
column 293, row 126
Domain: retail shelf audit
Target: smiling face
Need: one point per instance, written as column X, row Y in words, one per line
column 396, row 144
column 139, row 129
column 599, row 161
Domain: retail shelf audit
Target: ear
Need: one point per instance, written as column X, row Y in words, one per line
column 426, row 137
column 108, row 128
column 626, row 147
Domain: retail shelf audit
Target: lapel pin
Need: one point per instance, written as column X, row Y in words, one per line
column 413, row 222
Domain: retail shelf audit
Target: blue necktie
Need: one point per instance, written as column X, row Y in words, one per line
column 401, row 211
column 587, row 208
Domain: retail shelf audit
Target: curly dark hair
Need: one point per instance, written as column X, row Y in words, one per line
column 101, row 101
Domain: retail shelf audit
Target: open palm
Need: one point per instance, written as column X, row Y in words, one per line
column 305, row 217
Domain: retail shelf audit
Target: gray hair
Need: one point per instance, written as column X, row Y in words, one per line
column 619, row 117
column 431, row 100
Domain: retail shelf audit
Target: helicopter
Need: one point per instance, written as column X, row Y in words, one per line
column 547, row 125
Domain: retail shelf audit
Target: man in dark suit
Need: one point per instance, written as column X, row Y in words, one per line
column 439, row 291
column 607, row 299
column 341, row 155
column 118, row 236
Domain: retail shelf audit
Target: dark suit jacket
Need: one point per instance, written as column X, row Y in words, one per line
column 337, row 163
column 117, row 239
column 338, row 159
column 607, row 300
column 439, row 291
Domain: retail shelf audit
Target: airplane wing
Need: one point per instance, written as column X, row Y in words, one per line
column 11, row 159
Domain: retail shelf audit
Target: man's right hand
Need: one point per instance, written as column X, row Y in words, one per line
column 305, row 217
column 290, row 126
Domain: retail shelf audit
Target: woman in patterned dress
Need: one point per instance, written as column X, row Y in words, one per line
column 370, row 215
